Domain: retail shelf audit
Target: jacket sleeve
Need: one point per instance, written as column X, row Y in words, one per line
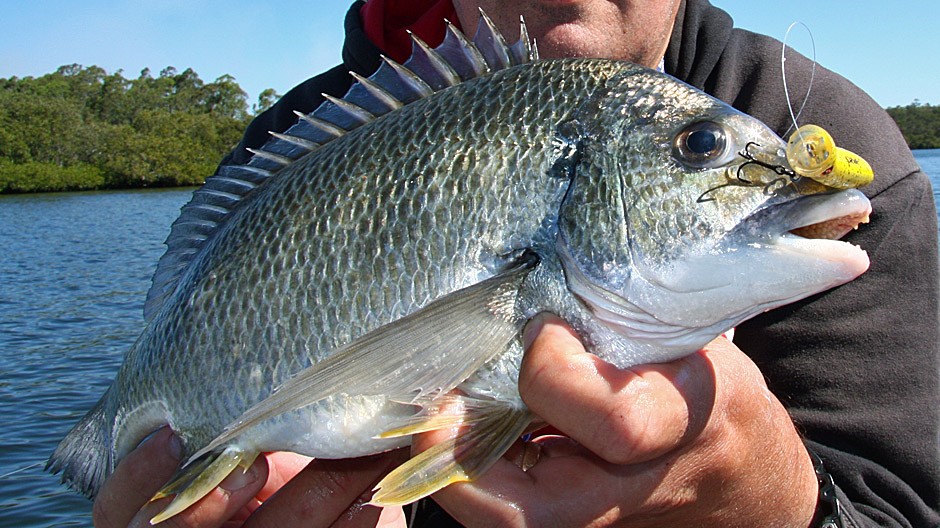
column 857, row 366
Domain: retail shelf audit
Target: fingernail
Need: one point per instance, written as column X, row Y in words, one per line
column 174, row 446
column 239, row 478
column 532, row 329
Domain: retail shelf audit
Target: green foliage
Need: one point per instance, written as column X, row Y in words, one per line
column 83, row 128
column 920, row 124
column 37, row 176
column 266, row 99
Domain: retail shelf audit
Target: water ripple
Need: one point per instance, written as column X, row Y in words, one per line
column 74, row 271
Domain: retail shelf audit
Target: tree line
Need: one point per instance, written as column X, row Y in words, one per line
column 82, row 128
column 920, row 124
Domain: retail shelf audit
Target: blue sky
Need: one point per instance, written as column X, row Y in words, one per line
column 892, row 53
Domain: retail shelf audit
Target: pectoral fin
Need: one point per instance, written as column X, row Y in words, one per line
column 490, row 429
column 427, row 352
column 443, row 412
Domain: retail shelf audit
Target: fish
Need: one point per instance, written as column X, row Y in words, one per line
column 370, row 270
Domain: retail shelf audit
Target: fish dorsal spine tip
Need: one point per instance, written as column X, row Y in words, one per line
column 428, row 70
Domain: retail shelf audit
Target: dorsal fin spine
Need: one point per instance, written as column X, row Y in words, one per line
column 378, row 94
column 430, row 66
column 491, row 44
column 299, row 141
column 276, row 158
column 462, row 54
column 323, row 126
column 255, row 175
column 417, row 86
column 354, row 111
column 524, row 49
column 238, row 182
column 389, row 88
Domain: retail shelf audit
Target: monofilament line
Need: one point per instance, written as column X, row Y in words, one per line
column 783, row 69
column 22, row 469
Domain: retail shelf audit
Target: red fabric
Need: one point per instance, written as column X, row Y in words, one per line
column 386, row 23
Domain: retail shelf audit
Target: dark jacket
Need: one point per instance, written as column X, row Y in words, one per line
column 857, row 366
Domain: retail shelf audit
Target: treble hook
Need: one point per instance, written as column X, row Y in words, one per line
column 780, row 170
column 789, row 175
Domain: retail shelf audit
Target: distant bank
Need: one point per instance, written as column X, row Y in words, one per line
column 82, row 128
column 920, row 124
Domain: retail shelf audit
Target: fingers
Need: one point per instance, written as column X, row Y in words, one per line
column 136, row 479
column 124, row 500
column 282, row 467
column 328, row 493
column 325, row 493
column 230, row 503
column 565, row 486
column 622, row 415
column 657, row 445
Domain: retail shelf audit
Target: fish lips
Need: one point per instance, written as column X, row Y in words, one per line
column 809, row 228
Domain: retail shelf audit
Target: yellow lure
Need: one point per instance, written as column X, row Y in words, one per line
column 812, row 153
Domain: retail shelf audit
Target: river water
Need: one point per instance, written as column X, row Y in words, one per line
column 74, row 270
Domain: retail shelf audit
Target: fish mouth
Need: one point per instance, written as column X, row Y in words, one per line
column 780, row 254
column 813, row 225
column 832, row 217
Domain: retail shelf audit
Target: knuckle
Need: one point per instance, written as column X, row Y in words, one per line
column 532, row 382
column 615, row 440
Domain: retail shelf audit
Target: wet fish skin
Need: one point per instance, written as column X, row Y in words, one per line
column 572, row 160
column 384, row 231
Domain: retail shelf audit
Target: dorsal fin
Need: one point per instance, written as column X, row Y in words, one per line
column 392, row 86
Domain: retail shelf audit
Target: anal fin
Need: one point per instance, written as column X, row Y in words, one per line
column 196, row 480
column 491, row 428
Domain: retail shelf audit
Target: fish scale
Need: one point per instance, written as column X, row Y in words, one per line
column 371, row 262
column 413, row 225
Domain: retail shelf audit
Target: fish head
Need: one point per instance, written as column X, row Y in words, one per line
column 679, row 219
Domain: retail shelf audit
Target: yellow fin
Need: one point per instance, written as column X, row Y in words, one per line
column 426, row 423
column 195, row 482
column 492, row 427
column 444, row 412
column 183, row 478
column 421, row 476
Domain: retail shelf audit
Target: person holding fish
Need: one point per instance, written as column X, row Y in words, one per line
column 824, row 412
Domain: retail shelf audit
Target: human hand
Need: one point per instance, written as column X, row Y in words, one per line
column 279, row 489
column 696, row 442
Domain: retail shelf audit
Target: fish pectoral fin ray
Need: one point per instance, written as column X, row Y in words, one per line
column 194, row 481
column 491, row 428
column 425, row 353
column 440, row 413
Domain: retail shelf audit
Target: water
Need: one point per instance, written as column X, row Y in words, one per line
column 929, row 161
column 74, row 270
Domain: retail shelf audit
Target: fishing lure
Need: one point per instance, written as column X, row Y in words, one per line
column 812, row 153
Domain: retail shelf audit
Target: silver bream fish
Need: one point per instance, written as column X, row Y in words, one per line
column 390, row 247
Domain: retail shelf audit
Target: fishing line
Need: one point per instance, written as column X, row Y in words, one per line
column 783, row 69
column 20, row 470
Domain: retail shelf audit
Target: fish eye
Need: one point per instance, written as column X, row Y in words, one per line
column 702, row 145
